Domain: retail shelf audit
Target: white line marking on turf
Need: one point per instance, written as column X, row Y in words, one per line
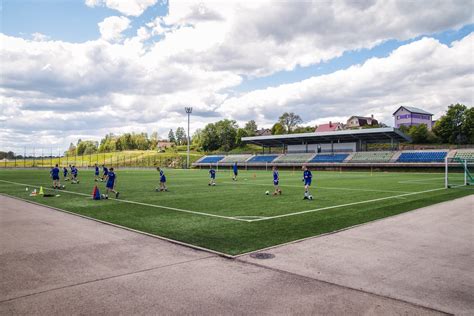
column 344, row 205
column 318, row 187
column 139, row 203
column 424, row 181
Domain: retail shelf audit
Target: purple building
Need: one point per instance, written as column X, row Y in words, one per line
column 408, row 116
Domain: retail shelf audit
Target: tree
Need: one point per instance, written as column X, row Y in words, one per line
column 154, row 140
column 278, row 129
column 210, row 138
column 71, row 150
column 250, row 128
column 304, row 129
column 171, row 137
column 180, row 136
column 197, row 138
column 468, row 125
column 289, row 121
column 227, row 132
column 241, row 132
column 86, row 147
column 419, row 134
column 449, row 128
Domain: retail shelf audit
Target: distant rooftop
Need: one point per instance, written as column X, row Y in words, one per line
column 413, row 109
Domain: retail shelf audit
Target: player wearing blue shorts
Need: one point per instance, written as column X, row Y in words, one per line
column 65, row 172
column 55, row 176
column 96, row 173
column 276, row 181
column 74, row 173
column 105, row 172
column 236, row 171
column 162, row 180
column 212, row 173
column 111, row 183
column 307, row 177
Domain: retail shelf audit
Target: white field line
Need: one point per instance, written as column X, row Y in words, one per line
column 139, row 203
column 344, row 205
column 318, row 187
column 424, row 181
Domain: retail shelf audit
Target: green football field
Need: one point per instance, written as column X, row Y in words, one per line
column 236, row 217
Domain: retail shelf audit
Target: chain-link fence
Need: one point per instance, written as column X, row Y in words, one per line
column 143, row 159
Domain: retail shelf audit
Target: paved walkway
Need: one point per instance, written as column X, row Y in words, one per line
column 425, row 257
column 54, row 263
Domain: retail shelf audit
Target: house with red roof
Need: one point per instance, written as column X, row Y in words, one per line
column 331, row 127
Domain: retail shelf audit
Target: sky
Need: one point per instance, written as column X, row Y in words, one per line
column 79, row 69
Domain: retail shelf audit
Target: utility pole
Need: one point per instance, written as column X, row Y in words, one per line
column 188, row 110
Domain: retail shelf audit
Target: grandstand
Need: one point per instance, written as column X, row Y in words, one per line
column 338, row 149
column 372, row 156
column 329, row 158
column 235, row 158
column 210, row 159
column 294, row 158
column 465, row 155
column 262, row 159
column 422, row 156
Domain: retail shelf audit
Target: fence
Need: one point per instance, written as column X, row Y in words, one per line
column 116, row 159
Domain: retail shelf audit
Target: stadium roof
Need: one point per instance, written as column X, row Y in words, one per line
column 372, row 135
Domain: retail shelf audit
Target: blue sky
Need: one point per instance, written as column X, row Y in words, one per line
column 227, row 60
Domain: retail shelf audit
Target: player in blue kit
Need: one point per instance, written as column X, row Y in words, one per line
column 55, row 176
column 65, row 172
column 111, row 183
column 162, row 180
column 307, row 178
column 74, row 173
column 105, row 172
column 212, row 174
column 236, row 171
column 96, row 173
column 276, row 181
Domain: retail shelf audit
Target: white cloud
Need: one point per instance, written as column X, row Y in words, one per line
column 111, row 28
column 127, row 7
column 200, row 50
column 39, row 37
column 424, row 73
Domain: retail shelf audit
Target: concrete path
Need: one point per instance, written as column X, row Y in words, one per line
column 425, row 257
column 54, row 263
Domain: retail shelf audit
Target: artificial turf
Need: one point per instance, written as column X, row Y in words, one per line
column 250, row 220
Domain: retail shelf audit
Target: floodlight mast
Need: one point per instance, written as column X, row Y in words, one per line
column 188, row 110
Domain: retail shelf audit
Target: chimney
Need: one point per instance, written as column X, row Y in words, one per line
column 372, row 116
column 330, row 124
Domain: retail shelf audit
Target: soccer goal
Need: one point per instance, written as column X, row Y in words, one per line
column 458, row 172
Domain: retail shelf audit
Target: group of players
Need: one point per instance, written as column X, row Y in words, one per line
column 109, row 176
column 307, row 178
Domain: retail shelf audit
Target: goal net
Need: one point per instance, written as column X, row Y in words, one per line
column 459, row 172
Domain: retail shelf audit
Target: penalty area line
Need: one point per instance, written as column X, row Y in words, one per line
column 140, row 203
column 344, row 205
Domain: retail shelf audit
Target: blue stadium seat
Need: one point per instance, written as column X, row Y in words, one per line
column 329, row 158
column 211, row 159
column 262, row 159
column 423, row 156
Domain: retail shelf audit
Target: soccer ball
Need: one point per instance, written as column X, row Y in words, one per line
column 310, row 197
column 213, row 184
column 267, row 193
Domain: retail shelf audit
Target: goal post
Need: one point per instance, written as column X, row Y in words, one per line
column 458, row 172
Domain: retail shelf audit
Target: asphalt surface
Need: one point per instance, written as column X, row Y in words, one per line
column 54, row 263
column 425, row 256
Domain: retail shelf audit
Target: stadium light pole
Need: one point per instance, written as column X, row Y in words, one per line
column 188, row 110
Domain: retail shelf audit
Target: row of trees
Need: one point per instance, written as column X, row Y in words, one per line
column 455, row 127
column 226, row 135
